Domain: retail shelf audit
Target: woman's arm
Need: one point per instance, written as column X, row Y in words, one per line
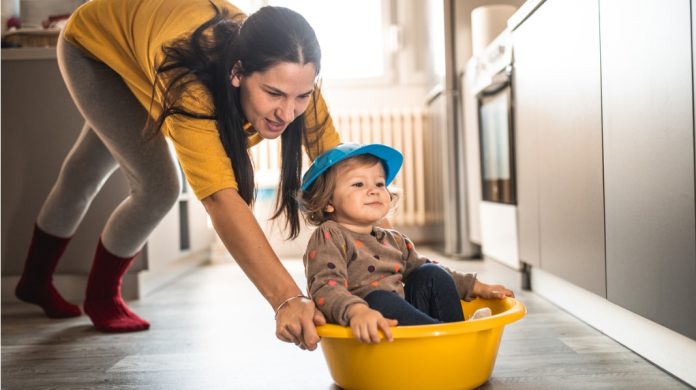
column 240, row 232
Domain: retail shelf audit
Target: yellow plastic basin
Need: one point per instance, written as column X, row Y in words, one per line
column 457, row 355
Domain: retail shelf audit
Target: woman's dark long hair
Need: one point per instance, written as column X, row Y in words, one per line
column 269, row 36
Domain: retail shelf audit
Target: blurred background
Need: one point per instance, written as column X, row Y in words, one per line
column 552, row 137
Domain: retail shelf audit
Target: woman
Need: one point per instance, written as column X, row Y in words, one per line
column 215, row 84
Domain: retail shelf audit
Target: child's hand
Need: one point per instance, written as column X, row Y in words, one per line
column 491, row 291
column 366, row 322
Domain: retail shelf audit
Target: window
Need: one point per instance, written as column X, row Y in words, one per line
column 352, row 34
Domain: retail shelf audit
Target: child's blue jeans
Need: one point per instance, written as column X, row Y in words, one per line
column 431, row 298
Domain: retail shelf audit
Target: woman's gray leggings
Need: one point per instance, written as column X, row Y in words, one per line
column 111, row 137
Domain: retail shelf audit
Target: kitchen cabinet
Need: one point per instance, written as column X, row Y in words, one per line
column 40, row 123
column 39, row 126
column 647, row 102
column 559, row 142
column 529, row 107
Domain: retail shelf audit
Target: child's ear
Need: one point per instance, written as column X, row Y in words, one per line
column 329, row 208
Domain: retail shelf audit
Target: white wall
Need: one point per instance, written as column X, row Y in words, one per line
column 373, row 97
column 406, row 84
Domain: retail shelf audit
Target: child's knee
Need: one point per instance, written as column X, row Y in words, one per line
column 381, row 299
column 432, row 271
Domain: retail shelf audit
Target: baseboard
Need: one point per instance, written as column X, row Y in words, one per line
column 150, row 280
column 71, row 287
column 136, row 285
column 671, row 351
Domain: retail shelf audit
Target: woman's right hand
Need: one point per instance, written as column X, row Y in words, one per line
column 296, row 323
column 238, row 228
column 366, row 322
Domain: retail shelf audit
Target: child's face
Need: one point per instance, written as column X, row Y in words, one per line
column 361, row 198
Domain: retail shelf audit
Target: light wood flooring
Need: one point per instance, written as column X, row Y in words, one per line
column 212, row 330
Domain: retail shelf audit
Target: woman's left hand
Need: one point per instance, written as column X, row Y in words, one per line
column 297, row 321
column 491, row 291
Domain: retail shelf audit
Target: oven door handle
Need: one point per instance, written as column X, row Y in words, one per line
column 494, row 88
column 499, row 82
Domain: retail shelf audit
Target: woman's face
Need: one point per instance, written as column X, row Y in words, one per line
column 272, row 99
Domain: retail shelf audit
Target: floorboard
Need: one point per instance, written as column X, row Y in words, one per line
column 212, row 330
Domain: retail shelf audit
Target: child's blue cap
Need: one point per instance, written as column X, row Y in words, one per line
column 391, row 159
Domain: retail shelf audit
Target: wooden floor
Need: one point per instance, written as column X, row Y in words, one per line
column 212, row 330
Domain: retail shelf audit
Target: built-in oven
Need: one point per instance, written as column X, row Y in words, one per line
column 492, row 91
column 496, row 138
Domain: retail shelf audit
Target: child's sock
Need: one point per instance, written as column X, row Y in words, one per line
column 103, row 303
column 36, row 284
column 481, row 313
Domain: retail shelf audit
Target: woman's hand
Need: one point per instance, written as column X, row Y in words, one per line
column 240, row 231
column 491, row 291
column 296, row 322
column 366, row 322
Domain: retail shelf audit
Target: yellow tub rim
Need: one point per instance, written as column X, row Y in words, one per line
column 505, row 311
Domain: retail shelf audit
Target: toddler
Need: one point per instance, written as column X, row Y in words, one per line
column 360, row 274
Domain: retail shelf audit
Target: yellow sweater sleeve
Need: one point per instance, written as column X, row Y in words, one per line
column 319, row 139
column 201, row 155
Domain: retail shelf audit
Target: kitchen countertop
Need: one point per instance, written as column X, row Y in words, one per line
column 523, row 13
column 29, row 53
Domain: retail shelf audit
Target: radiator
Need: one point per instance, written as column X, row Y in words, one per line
column 402, row 129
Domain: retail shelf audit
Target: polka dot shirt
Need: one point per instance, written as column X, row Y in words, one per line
column 342, row 267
